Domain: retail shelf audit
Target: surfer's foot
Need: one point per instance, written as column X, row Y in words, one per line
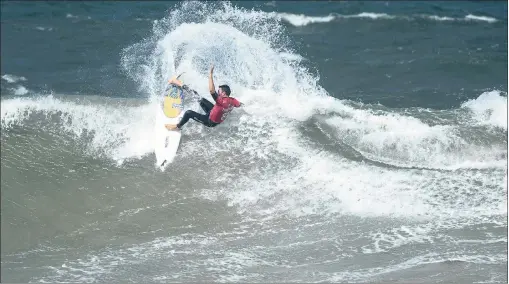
column 175, row 81
column 171, row 127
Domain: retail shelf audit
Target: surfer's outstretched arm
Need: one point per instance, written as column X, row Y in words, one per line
column 212, row 88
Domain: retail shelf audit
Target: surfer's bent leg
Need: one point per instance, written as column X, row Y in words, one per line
column 206, row 105
column 201, row 118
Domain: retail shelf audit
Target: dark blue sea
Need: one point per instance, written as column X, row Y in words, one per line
column 371, row 147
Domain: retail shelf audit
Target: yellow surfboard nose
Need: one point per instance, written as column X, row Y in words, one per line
column 172, row 107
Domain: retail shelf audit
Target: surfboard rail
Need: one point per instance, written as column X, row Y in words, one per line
column 170, row 111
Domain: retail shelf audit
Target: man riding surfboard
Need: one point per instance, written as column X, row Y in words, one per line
column 214, row 113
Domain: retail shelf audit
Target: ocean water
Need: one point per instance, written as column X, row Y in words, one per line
column 372, row 146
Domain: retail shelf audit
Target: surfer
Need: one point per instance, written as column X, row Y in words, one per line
column 214, row 113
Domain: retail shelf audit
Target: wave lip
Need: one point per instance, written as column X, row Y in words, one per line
column 405, row 140
column 370, row 15
column 300, row 20
column 490, row 109
column 438, row 18
column 120, row 133
column 471, row 17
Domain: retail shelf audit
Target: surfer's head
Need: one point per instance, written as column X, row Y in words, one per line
column 224, row 90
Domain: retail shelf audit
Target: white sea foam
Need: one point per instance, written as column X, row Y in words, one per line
column 406, row 141
column 471, row 17
column 490, row 108
column 71, row 16
column 20, row 91
column 438, row 18
column 369, row 15
column 49, row 29
column 12, row 78
column 299, row 20
column 303, row 20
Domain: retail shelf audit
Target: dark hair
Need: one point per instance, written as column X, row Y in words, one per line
column 225, row 89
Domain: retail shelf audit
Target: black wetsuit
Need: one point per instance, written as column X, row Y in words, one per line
column 201, row 118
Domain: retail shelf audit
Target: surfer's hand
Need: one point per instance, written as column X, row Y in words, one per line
column 211, row 69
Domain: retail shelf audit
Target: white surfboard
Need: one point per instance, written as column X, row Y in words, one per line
column 170, row 111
